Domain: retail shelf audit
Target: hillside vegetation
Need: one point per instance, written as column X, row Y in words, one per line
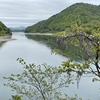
column 87, row 13
column 4, row 30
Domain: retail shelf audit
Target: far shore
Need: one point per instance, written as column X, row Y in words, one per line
column 5, row 38
column 38, row 34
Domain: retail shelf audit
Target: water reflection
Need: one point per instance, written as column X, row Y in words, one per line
column 34, row 52
column 88, row 90
column 19, row 35
column 30, row 50
column 1, row 44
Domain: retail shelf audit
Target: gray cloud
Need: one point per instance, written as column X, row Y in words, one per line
column 15, row 13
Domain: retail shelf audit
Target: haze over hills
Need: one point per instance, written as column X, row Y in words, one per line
column 4, row 30
column 59, row 22
column 21, row 28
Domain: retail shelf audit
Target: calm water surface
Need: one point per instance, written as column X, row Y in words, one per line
column 34, row 52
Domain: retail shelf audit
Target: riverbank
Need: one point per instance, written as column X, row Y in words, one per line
column 38, row 34
column 5, row 38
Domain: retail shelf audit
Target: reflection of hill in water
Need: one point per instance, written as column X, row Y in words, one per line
column 70, row 51
column 1, row 44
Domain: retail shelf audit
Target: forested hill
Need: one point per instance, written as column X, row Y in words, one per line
column 59, row 22
column 4, row 30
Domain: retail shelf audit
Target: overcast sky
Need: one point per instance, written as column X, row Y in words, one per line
column 15, row 13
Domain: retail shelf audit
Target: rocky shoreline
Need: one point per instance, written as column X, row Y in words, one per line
column 5, row 38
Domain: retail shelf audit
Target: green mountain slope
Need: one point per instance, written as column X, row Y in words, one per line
column 4, row 30
column 59, row 22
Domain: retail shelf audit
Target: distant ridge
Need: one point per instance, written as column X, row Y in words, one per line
column 17, row 28
column 59, row 22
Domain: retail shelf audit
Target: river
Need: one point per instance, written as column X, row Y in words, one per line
column 35, row 52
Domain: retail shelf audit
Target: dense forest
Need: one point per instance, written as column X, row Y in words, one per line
column 4, row 30
column 88, row 14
